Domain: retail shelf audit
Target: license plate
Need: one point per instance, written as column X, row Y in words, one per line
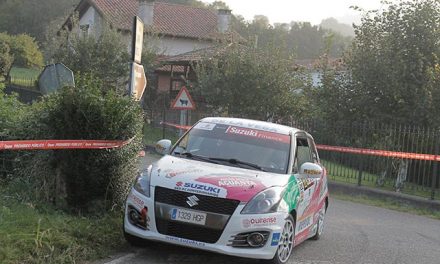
column 188, row 216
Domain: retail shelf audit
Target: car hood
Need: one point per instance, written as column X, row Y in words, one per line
column 212, row 179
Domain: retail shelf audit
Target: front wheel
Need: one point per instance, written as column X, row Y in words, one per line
column 286, row 244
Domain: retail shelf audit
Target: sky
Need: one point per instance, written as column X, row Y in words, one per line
column 285, row 11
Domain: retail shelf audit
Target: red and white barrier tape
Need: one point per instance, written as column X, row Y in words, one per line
column 381, row 153
column 61, row 144
column 175, row 125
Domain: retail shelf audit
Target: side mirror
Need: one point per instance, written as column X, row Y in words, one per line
column 311, row 170
column 163, row 146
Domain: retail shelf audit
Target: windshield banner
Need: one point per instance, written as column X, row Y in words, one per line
column 258, row 134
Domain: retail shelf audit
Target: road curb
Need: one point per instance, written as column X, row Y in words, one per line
column 354, row 190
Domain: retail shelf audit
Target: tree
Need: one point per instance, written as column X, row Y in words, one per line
column 24, row 49
column 334, row 25
column 218, row 5
column 390, row 65
column 32, row 17
column 248, row 82
column 5, row 58
column 105, row 57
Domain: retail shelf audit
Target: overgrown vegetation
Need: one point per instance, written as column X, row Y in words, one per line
column 82, row 176
column 32, row 233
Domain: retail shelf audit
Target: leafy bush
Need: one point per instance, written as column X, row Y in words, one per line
column 11, row 111
column 83, row 176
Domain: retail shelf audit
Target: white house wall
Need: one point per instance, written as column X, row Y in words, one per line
column 175, row 46
column 92, row 18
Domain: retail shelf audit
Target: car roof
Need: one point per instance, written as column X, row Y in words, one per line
column 255, row 124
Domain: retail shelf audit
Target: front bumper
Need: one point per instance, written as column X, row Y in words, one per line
column 237, row 224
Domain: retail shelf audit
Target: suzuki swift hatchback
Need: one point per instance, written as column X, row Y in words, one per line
column 239, row 187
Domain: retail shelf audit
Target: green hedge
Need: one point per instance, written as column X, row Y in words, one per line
column 79, row 178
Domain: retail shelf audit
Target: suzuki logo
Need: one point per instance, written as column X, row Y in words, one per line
column 192, row 201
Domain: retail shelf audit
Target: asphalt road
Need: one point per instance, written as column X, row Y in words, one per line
column 354, row 233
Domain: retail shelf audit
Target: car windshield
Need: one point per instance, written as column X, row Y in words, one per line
column 236, row 146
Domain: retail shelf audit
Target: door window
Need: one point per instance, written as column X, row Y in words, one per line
column 302, row 154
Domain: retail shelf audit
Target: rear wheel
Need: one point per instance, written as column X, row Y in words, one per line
column 320, row 225
column 285, row 246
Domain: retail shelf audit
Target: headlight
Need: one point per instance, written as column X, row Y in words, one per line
column 142, row 182
column 267, row 201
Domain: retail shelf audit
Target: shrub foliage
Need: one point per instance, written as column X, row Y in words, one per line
column 77, row 178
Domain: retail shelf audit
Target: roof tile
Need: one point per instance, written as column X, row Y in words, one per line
column 169, row 19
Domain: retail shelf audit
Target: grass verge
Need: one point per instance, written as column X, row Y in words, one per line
column 345, row 174
column 30, row 234
column 24, row 77
column 388, row 204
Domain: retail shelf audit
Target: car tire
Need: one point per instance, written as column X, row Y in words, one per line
column 320, row 224
column 286, row 243
column 133, row 240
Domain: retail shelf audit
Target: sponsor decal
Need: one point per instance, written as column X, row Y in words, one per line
column 235, row 182
column 172, row 174
column 242, row 123
column 304, row 224
column 307, row 183
column 205, row 126
column 136, row 201
column 275, row 239
column 257, row 134
column 323, row 187
column 237, row 186
column 300, row 238
column 258, row 222
column 312, row 172
column 185, row 241
column 197, row 188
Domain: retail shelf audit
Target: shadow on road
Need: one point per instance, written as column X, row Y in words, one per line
column 159, row 253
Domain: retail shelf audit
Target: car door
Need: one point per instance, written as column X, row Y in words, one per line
column 305, row 152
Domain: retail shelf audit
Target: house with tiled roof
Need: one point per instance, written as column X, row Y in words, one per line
column 180, row 28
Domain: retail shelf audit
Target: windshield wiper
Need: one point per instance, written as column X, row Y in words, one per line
column 239, row 162
column 195, row 157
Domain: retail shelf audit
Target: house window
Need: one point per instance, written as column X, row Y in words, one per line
column 84, row 30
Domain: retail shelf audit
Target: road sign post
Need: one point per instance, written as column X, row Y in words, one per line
column 183, row 102
column 138, row 40
column 138, row 80
column 55, row 77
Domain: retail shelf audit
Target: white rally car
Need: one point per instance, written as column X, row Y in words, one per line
column 233, row 186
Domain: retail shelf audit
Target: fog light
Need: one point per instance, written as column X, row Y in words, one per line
column 139, row 219
column 255, row 240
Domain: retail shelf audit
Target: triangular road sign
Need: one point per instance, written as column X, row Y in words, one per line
column 183, row 101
